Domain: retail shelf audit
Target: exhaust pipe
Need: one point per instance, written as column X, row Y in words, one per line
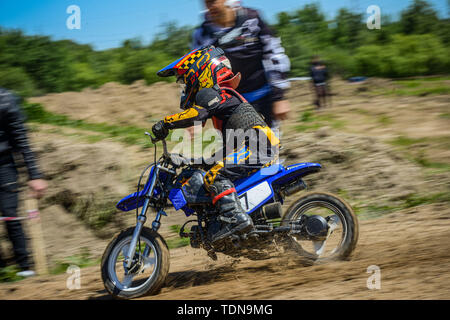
column 294, row 188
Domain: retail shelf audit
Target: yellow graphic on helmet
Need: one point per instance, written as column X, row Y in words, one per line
column 188, row 61
column 204, row 58
column 205, row 79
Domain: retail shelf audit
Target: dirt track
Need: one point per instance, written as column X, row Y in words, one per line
column 411, row 248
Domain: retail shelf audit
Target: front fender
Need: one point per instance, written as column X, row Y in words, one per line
column 136, row 200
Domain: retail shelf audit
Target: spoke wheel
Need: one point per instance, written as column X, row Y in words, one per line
column 148, row 270
column 342, row 232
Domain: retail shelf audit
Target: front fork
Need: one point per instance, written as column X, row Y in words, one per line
column 142, row 218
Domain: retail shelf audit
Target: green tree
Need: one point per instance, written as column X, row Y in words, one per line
column 174, row 41
column 419, row 18
column 83, row 76
column 404, row 56
column 311, row 20
column 348, row 27
column 283, row 20
column 17, row 80
column 133, row 66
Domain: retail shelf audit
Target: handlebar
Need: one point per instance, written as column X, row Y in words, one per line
column 177, row 159
column 154, row 141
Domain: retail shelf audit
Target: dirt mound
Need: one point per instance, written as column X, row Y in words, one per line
column 115, row 103
column 360, row 168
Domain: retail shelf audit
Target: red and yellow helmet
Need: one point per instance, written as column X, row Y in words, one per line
column 201, row 68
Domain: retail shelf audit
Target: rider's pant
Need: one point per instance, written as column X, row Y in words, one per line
column 251, row 150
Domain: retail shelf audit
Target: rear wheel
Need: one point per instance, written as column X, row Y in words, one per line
column 341, row 234
column 149, row 268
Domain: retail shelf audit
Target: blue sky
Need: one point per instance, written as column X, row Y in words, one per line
column 105, row 23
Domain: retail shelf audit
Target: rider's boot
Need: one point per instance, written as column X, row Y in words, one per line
column 234, row 219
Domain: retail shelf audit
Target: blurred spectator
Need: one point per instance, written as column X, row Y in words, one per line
column 253, row 50
column 13, row 137
column 319, row 77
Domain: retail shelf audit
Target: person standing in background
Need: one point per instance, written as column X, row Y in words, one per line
column 254, row 51
column 319, row 77
column 13, row 138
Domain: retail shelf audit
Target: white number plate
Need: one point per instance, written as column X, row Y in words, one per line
column 253, row 197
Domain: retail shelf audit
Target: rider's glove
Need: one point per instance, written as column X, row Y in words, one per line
column 159, row 130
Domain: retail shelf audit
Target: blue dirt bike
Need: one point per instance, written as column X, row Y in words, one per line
column 316, row 227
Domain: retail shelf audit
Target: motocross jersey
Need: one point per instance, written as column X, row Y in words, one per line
column 216, row 103
column 253, row 50
column 229, row 111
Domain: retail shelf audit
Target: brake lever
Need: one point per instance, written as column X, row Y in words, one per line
column 164, row 143
column 154, row 141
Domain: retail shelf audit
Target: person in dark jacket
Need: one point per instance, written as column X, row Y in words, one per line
column 13, row 138
column 319, row 78
column 253, row 50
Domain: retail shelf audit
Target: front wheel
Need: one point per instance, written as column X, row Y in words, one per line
column 149, row 268
column 341, row 233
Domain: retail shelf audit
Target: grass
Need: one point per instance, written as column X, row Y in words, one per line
column 304, row 128
column 417, row 200
column 177, row 243
column 8, row 274
column 420, row 81
column 403, row 141
column 175, row 228
column 81, row 260
column 412, row 200
column 420, row 92
column 309, row 121
column 420, row 87
column 409, row 84
column 307, row 116
column 384, row 120
column 84, row 136
column 424, row 162
column 414, row 150
column 174, row 243
column 374, row 209
column 417, row 87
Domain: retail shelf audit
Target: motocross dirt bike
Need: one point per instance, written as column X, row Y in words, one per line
column 317, row 226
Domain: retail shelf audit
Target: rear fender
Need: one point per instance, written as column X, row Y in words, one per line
column 294, row 172
column 261, row 191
